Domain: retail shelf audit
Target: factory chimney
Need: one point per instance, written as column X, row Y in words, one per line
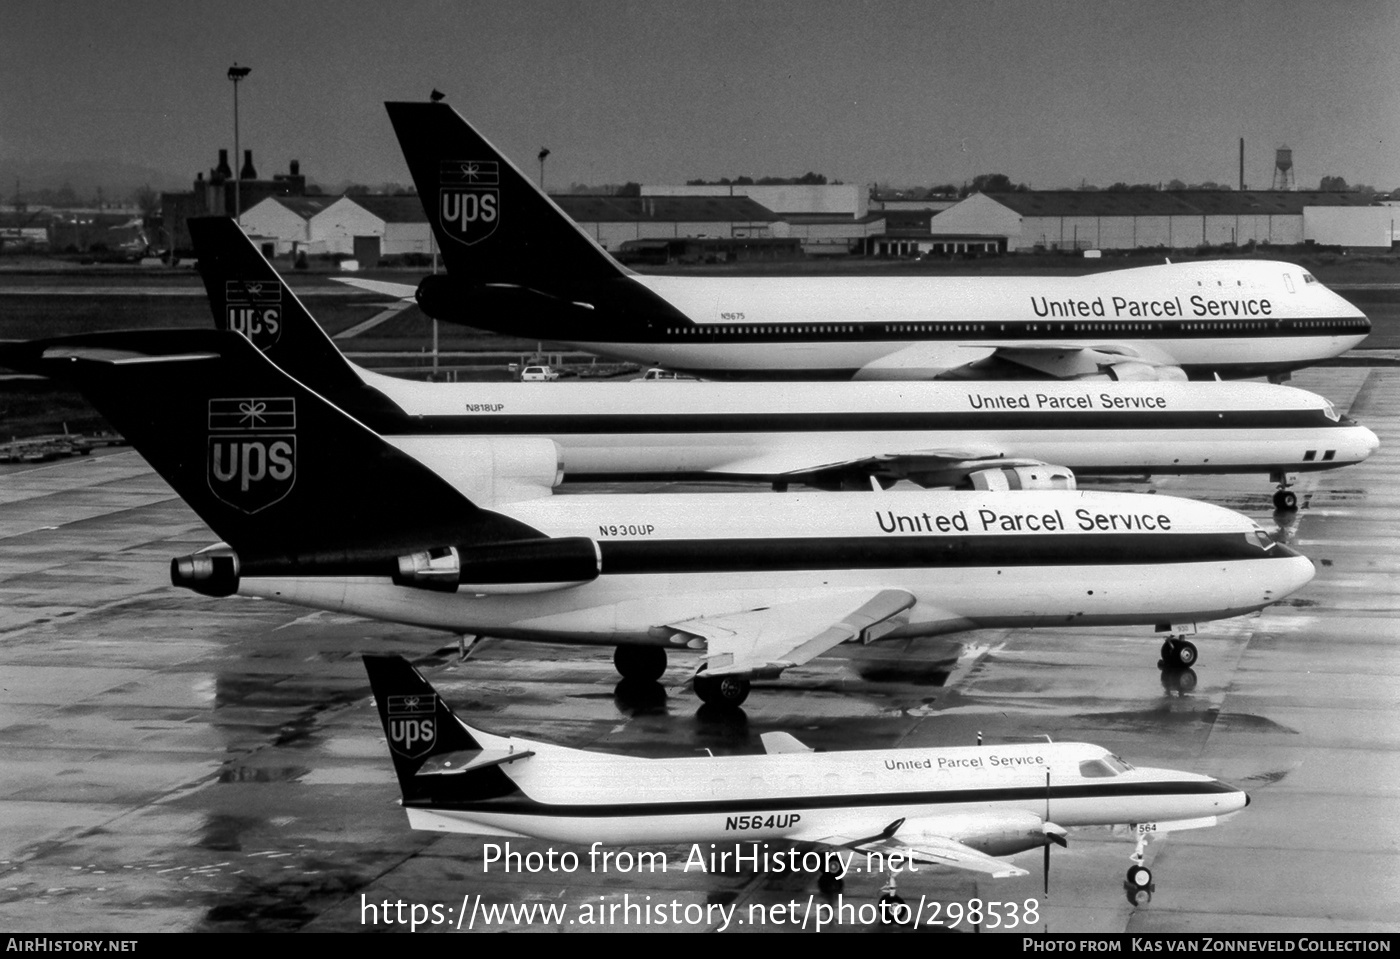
column 247, row 173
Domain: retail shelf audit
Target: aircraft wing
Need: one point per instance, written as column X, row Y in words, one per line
column 401, row 291
column 926, row 467
column 925, row 360
column 769, row 639
column 942, row 840
column 926, row 848
column 1142, row 361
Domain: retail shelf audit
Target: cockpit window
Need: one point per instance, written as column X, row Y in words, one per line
column 1120, row 765
column 1330, row 411
column 1096, row 769
column 1259, row 538
column 1309, row 278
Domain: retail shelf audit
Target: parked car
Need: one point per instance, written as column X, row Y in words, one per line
column 656, row 374
column 538, row 374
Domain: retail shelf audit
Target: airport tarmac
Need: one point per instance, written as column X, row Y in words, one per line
column 176, row 763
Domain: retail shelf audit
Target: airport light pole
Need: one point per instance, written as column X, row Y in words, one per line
column 236, row 73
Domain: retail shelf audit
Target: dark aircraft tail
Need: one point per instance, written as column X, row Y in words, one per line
column 437, row 757
column 515, row 261
column 291, row 483
column 248, row 296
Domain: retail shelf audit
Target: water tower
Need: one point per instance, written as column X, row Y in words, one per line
column 1283, row 169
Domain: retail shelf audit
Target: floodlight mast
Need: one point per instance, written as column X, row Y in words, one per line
column 236, row 73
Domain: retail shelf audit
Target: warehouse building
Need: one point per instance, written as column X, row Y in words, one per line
column 614, row 220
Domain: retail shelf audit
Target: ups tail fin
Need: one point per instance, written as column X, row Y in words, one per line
column 248, row 296
column 436, row 756
column 292, row 483
column 492, row 224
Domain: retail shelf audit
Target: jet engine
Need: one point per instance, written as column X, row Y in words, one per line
column 1043, row 476
column 529, row 566
column 210, row 572
column 1133, row 372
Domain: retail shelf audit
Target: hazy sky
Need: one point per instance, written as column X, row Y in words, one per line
column 907, row 93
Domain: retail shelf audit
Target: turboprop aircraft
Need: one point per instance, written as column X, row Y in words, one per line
column 831, row 435
column 961, row 806
column 516, row 263
column 317, row 510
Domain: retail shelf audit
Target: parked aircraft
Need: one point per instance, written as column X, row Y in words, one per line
column 516, row 263
column 831, row 435
column 951, row 806
column 317, row 510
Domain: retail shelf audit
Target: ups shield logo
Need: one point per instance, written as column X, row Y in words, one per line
column 412, row 725
column 469, row 199
column 252, row 451
column 255, row 310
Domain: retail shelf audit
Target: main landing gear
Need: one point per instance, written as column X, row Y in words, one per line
column 1177, row 651
column 726, row 691
column 894, row 911
column 642, row 663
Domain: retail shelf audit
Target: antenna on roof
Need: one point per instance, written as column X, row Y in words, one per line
column 437, row 96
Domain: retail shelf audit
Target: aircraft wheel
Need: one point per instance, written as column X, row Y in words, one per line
column 728, row 691
column 894, row 911
column 1285, row 500
column 1139, row 897
column 646, row 663
column 1186, row 654
column 829, row 883
column 1139, row 877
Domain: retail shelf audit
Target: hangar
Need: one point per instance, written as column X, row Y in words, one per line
column 1125, row 220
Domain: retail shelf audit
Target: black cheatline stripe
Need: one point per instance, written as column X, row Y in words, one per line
column 809, row 422
column 922, row 552
column 1091, row 331
column 517, row 805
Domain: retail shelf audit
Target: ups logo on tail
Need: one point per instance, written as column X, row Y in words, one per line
column 412, row 726
column 469, row 199
column 255, row 310
column 252, row 451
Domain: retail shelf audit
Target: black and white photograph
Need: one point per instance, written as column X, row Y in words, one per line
column 705, row 467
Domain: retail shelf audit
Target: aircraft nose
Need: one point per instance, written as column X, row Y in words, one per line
column 1369, row 441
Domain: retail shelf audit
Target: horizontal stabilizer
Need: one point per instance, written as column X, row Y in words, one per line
column 399, row 291
column 775, row 743
column 453, row 764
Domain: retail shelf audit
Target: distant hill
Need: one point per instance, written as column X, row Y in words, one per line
column 117, row 180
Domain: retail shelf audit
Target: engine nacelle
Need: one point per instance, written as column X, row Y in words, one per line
column 210, row 572
column 1043, row 476
column 490, row 469
column 528, row 566
column 1003, row 834
column 1132, row 371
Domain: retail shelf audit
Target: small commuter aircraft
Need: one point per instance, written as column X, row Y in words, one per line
column 952, row 806
column 317, row 510
column 831, row 435
column 516, row 263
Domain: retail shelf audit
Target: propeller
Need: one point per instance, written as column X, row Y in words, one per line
column 1047, row 821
